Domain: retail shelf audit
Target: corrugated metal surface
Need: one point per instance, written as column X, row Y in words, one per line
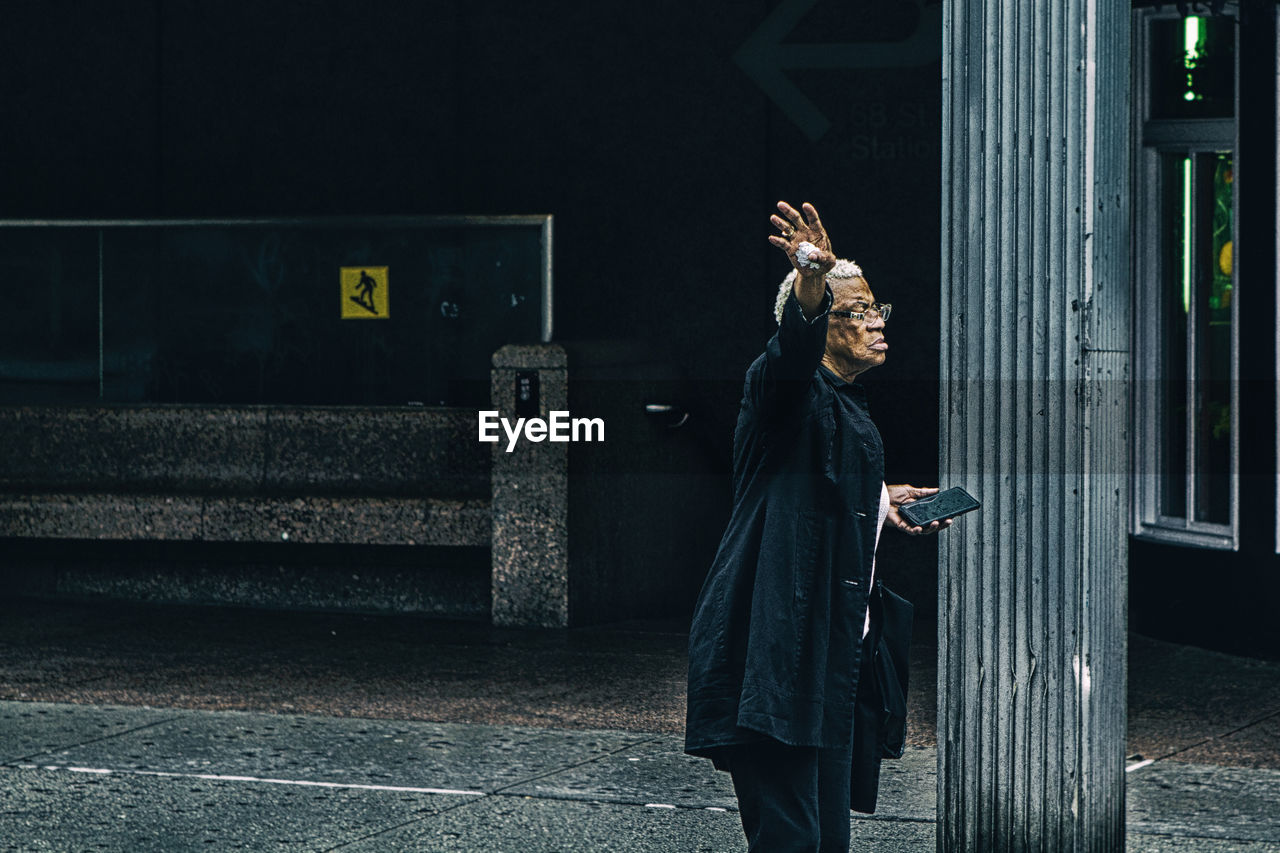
column 1035, row 301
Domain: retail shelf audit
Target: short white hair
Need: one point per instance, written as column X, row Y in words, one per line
column 843, row 270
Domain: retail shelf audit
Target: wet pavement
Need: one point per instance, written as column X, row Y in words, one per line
column 133, row 727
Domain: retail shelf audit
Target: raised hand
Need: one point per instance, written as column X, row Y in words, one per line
column 797, row 228
column 811, row 283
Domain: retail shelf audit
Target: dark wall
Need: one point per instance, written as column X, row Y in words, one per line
column 659, row 155
column 82, row 106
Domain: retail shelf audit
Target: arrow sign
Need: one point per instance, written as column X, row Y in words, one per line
column 763, row 57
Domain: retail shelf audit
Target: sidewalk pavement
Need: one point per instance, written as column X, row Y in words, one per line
column 219, row 728
column 77, row 777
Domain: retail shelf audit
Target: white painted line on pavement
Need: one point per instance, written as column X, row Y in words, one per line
column 1139, row 765
column 216, row 777
column 658, row 806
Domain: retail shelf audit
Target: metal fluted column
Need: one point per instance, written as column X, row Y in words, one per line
column 1034, row 410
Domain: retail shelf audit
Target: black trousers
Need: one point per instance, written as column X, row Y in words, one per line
column 792, row 798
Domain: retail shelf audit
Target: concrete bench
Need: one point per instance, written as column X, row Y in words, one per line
column 305, row 475
column 404, row 476
column 108, row 501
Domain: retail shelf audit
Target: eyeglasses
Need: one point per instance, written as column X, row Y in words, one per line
column 880, row 309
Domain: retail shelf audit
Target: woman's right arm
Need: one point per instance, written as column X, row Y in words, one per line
column 795, row 351
column 797, row 228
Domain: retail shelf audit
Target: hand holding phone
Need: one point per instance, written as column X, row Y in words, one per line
column 945, row 504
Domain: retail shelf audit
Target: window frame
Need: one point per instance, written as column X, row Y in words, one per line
column 1151, row 140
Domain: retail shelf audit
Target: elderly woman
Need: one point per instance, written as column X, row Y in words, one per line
column 778, row 637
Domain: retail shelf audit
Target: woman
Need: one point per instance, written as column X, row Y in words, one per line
column 778, row 637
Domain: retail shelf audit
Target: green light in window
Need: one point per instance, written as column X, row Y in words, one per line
column 1186, row 235
column 1191, row 46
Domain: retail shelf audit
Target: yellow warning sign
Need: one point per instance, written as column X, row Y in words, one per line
column 365, row 292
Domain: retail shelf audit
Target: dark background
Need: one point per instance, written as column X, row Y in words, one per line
column 638, row 126
column 632, row 123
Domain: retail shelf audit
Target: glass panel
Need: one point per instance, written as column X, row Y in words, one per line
column 1214, row 183
column 49, row 325
column 1175, row 224
column 252, row 313
column 1193, row 67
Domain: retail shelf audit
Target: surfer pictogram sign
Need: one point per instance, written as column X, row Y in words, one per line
column 365, row 293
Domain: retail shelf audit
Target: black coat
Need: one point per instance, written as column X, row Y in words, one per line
column 776, row 643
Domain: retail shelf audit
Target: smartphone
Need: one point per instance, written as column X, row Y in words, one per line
column 945, row 504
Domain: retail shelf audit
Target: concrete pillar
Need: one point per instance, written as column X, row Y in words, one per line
column 1034, row 404
column 530, row 492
